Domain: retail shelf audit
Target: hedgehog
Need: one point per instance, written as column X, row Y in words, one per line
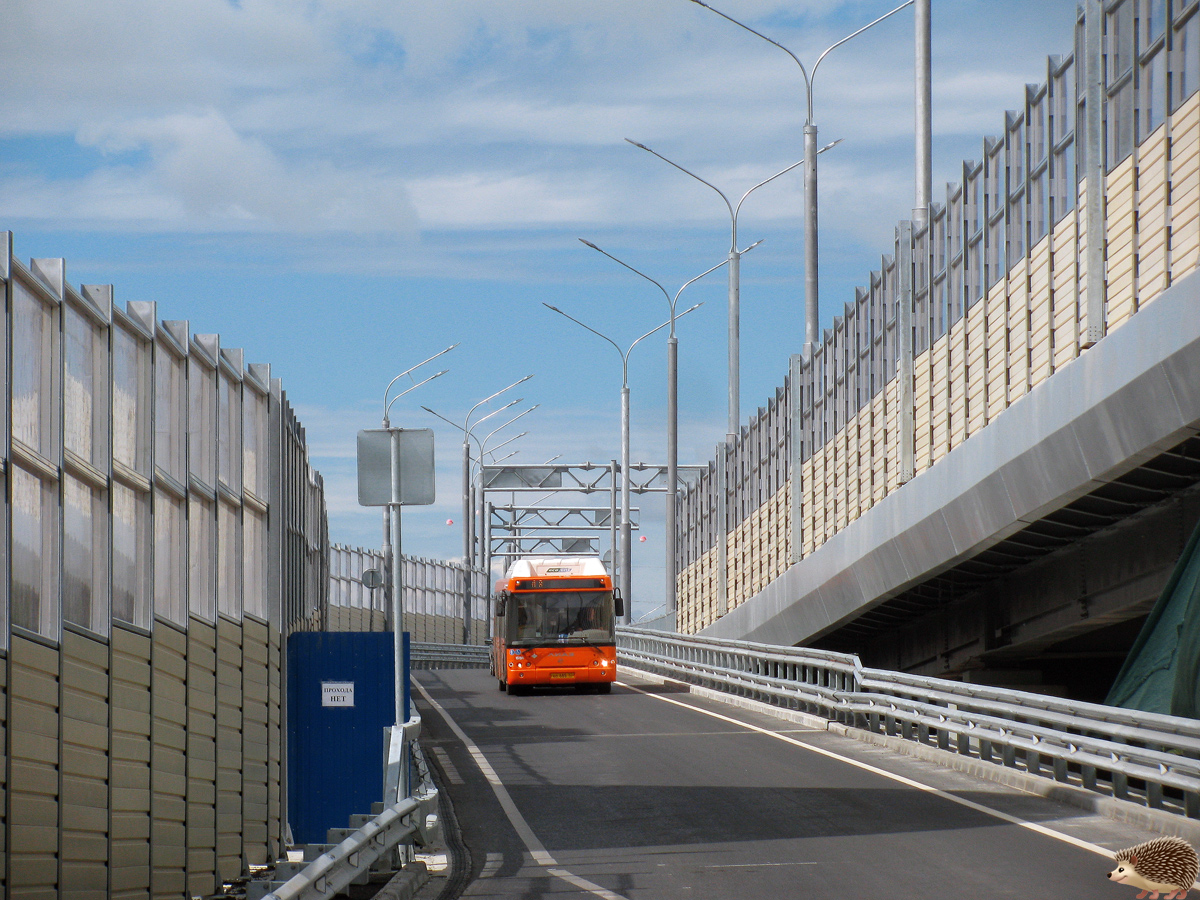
column 1166, row 864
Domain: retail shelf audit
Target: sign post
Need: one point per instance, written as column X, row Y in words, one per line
column 395, row 469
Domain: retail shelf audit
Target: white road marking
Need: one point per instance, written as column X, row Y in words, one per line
column 761, row 865
column 492, row 865
column 535, row 847
column 543, row 858
column 995, row 813
column 444, row 761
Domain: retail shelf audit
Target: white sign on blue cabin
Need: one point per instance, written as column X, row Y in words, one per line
column 337, row 693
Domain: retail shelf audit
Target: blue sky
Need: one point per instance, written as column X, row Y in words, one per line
column 342, row 188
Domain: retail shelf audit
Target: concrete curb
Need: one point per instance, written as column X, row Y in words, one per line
column 1124, row 811
column 405, row 883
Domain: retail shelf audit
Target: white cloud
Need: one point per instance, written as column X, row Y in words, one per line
column 77, row 58
column 471, row 141
column 376, row 117
column 203, row 175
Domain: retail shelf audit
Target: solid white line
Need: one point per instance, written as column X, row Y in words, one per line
column 760, row 865
column 995, row 813
column 584, row 885
column 535, row 847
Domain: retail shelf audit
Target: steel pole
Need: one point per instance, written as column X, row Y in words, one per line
column 480, row 539
column 387, row 564
column 487, row 567
column 466, row 498
column 924, row 114
column 397, row 581
column 1092, row 153
column 626, row 533
column 614, row 551
column 466, row 531
column 469, row 519
column 811, row 312
column 735, row 337
column 672, row 463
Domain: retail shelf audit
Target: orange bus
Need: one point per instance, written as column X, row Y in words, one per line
column 553, row 625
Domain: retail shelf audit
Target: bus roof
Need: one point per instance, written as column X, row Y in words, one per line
column 556, row 566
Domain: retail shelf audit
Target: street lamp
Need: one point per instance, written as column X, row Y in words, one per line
column 492, row 452
column 811, row 313
column 735, row 276
column 467, row 506
column 475, row 503
column 626, row 535
column 477, row 525
column 408, row 372
column 672, row 408
column 466, row 463
column 393, row 511
column 391, row 545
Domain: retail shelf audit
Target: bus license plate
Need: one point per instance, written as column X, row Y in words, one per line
column 562, row 676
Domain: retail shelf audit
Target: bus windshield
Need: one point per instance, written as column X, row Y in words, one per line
column 538, row 617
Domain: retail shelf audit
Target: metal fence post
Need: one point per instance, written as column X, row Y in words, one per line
column 1093, row 70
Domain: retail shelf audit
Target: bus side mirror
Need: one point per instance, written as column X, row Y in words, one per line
column 501, row 602
column 618, row 603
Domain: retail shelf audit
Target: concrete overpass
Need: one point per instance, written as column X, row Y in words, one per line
column 1071, row 508
column 987, row 467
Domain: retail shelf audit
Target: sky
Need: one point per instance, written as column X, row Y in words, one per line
column 343, row 188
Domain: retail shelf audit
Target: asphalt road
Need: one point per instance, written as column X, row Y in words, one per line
column 652, row 792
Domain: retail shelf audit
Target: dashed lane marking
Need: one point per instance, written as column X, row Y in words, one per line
column 535, row 847
column 492, row 865
column 444, row 761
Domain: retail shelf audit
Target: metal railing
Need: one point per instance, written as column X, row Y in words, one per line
column 433, row 596
column 448, row 656
column 409, row 820
column 808, row 680
column 1142, row 757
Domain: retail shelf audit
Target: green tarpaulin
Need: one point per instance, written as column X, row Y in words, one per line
column 1160, row 673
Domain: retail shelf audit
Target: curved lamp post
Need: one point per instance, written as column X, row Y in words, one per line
column 467, row 506
column 391, row 541
column 387, row 408
column 466, row 428
column 626, row 535
column 479, row 525
column 389, row 512
column 811, row 313
column 470, row 494
column 735, row 276
column 672, row 407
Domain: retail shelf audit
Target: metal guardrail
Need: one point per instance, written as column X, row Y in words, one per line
column 808, row 680
column 448, row 656
column 1141, row 757
column 411, row 820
